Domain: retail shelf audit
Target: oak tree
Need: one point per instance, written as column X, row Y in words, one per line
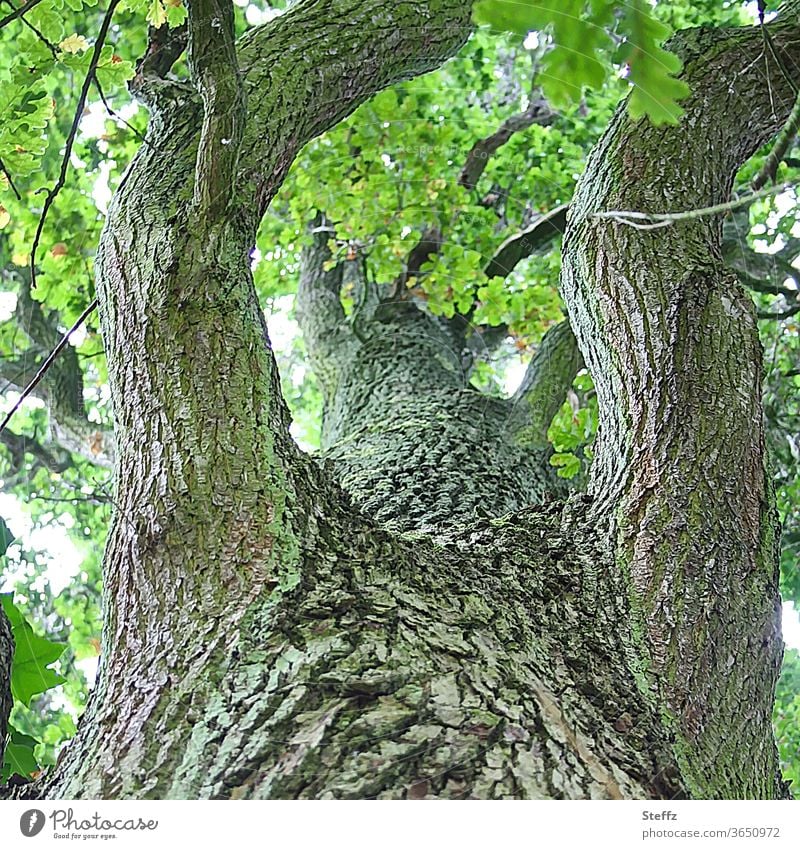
column 457, row 594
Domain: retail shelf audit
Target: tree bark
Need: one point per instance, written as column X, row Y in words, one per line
column 413, row 616
column 672, row 341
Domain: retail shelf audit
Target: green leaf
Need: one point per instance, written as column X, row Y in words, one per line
column 656, row 91
column 581, row 52
column 176, row 13
column 568, row 465
column 20, row 758
column 33, row 654
column 157, row 14
column 581, row 44
column 6, row 537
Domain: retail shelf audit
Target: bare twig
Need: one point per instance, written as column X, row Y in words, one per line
column 26, row 7
column 656, row 220
column 116, row 115
column 10, row 181
column 73, row 131
column 47, row 363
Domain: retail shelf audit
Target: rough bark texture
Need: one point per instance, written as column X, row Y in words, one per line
column 671, row 339
column 436, row 625
column 407, row 435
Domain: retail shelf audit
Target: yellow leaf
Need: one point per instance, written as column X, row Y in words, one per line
column 173, row 4
column 74, row 44
column 157, row 15
column 5, row 217
column 20, row 259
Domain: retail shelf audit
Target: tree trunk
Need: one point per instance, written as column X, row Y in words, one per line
column 414, row 616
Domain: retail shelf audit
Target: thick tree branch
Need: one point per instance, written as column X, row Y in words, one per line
column 164, row 46
column 672, row 343
column 150, row 84
column 215, row 73
column 544, row 387
column 311, row 67
column 195, row 387
column 533, row 239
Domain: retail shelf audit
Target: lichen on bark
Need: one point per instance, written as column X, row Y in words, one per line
column 417, row 614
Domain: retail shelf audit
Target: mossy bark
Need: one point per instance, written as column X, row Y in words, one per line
column 437, row 626
column 671, row 338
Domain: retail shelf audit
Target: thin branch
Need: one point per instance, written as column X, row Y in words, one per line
column 116, row 115
column 10, row 181
column 87, row 499
column 215, row 73
column 779, row 150
column 26, row 7
column 39, row 34
column 764, row 286
column 538, row 112
column 656, row 220
column 47, row 363
column 73, row 131
column 18, row 446
column 781, row 315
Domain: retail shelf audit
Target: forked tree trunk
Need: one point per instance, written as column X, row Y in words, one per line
column 269, row 634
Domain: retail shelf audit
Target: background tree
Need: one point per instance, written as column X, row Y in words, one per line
column 427, row 607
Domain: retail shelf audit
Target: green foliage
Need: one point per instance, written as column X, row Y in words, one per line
column 582, row 54
column 32, row 656
column 786, row 718
column 20, row 756
column 30, row 676
column 652, row 69
column 383, row 177
column 573, row 430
